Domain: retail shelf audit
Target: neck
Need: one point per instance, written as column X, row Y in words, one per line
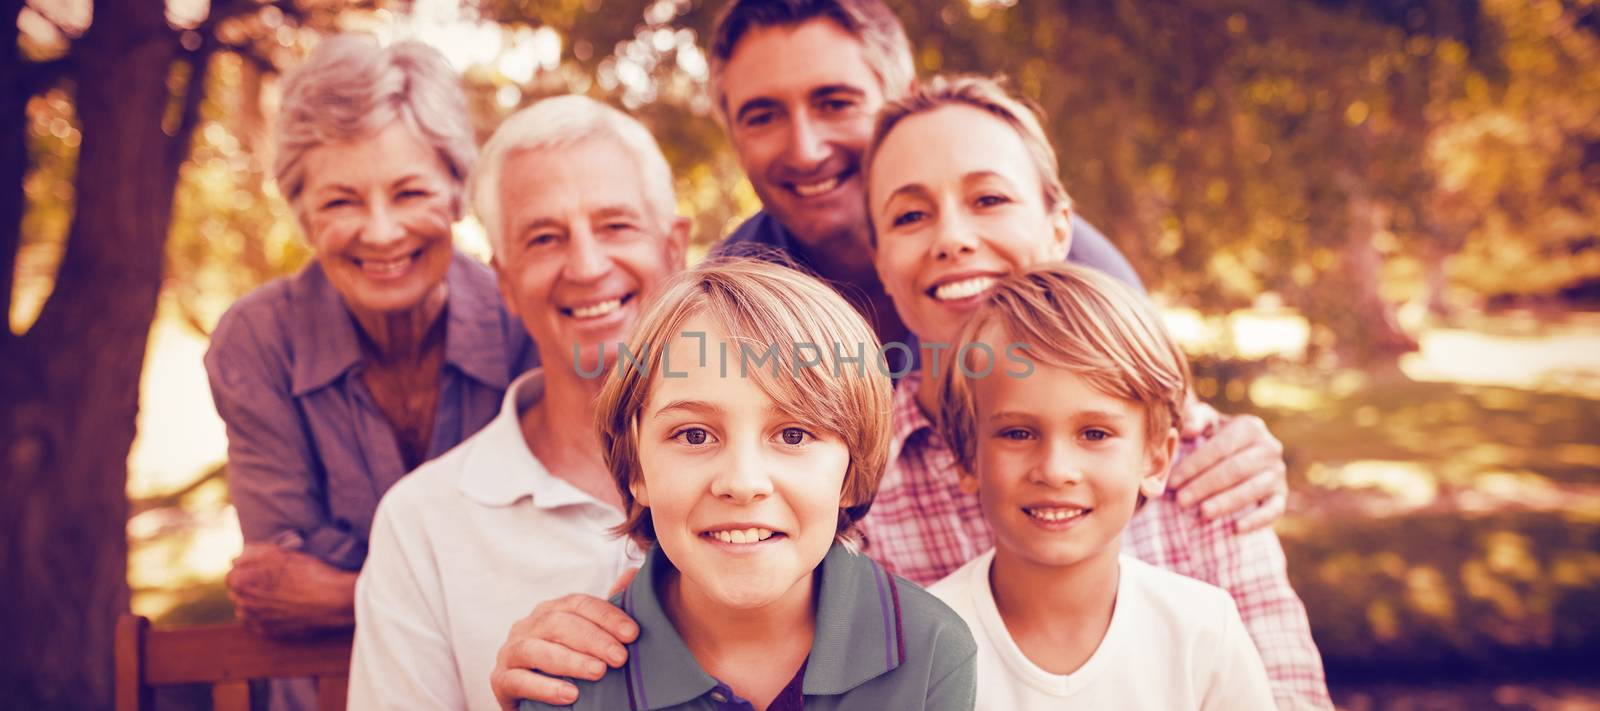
column 1057, row 614
column 753, row 650
column 928, row 387
column 401, row 336
column 559, row 430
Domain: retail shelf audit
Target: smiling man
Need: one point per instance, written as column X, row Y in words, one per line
column 798, row 85
column 578, row 203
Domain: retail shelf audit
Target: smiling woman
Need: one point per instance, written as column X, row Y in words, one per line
column 386, row 351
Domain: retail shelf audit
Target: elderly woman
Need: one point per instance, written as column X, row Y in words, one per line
column 387, row 350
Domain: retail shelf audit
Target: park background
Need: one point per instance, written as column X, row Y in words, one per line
column 1374, row 224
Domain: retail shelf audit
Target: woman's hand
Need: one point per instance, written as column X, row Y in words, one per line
column 284, row 593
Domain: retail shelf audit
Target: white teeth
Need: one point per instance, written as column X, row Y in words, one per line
column 742, row 536
column 963, row 289
column 1056, row 515
column 815, row 189
column 600, row 309
column 388, row 268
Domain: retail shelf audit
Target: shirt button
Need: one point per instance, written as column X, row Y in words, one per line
column 719, row 697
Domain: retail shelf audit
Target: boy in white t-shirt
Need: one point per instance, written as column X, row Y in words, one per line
column 1063, row 408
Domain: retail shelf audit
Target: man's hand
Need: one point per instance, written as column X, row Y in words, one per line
column 282, row 593
column 1238, row 469
column 573, row 636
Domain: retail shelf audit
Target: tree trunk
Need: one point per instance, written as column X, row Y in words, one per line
column 71, row 382
column 1371, row 332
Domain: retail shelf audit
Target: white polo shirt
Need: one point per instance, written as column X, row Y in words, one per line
column 461, row 549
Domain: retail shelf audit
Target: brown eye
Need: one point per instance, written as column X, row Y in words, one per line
column 692, row 436
column 793, row 436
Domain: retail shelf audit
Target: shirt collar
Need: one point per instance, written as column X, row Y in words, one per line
column 498, row 469
column 326, row 345
column 321, row 331
column 858, row 635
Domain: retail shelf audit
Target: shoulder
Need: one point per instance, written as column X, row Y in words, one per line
column 428, row 489
column 259, row 316
column 928, row 623
column 1182, row 603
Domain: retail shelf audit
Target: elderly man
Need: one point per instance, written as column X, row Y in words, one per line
column 798, row 84
column 578, row 203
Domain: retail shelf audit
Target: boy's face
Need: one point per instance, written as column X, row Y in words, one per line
column 957, row 204
column 744, row 498
column 1060, row 465
column 800, row 103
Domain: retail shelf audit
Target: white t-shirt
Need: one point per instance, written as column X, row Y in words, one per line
column 1173, row 643
column 460, row 550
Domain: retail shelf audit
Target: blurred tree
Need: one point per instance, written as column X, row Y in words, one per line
column 136, row 77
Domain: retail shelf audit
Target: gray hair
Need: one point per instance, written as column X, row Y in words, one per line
column 883, row 39
column 350, row 88
column 558, row 122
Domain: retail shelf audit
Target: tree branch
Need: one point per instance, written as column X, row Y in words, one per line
column 194, row 93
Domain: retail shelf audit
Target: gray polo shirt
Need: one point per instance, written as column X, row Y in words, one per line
column 881, row 643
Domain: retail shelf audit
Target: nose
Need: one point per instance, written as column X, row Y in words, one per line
column 1058, row 465
column 955, row 235
column 808, row 144
column 383, row 225
column 743, row 478
column 586, row 259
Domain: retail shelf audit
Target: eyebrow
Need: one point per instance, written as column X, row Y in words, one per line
column 1076, row 415
column 699, row 407
column 619, row 210
column 767, row 102
column 922, row 191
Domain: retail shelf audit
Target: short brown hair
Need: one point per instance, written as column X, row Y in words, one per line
column 883, row 38
column 1081, row 320
column 990, row 96
column 763, row 303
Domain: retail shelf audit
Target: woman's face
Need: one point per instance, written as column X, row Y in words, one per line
column 377, row 212
column 956, row 204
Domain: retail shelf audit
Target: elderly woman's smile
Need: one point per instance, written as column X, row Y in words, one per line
column 378, row 214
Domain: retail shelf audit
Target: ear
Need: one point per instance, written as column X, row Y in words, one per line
column 678, row 243
column 502, row 282
column 967, row 481
column 1159, row 459
column 641, row 495
column 1061, row 229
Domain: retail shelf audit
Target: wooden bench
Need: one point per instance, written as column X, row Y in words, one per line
column 227, row 657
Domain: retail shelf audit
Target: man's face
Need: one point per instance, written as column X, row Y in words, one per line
column 800, row 104
column 583, row 249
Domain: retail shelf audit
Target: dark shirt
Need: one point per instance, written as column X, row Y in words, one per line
column 762, row 234
column 309, row 452
column 881, row 643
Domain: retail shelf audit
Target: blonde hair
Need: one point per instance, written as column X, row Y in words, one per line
column 1080, row 320
column 754, row 301
column 990, row 96
column 350, row 88
column 559, row 122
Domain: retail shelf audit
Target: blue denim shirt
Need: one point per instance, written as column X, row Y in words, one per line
column 309, row 452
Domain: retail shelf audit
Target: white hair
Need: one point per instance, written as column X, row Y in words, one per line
column 350, row 88
column 558, row 122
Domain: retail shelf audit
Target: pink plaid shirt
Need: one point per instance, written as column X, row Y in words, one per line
column 922, row 526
